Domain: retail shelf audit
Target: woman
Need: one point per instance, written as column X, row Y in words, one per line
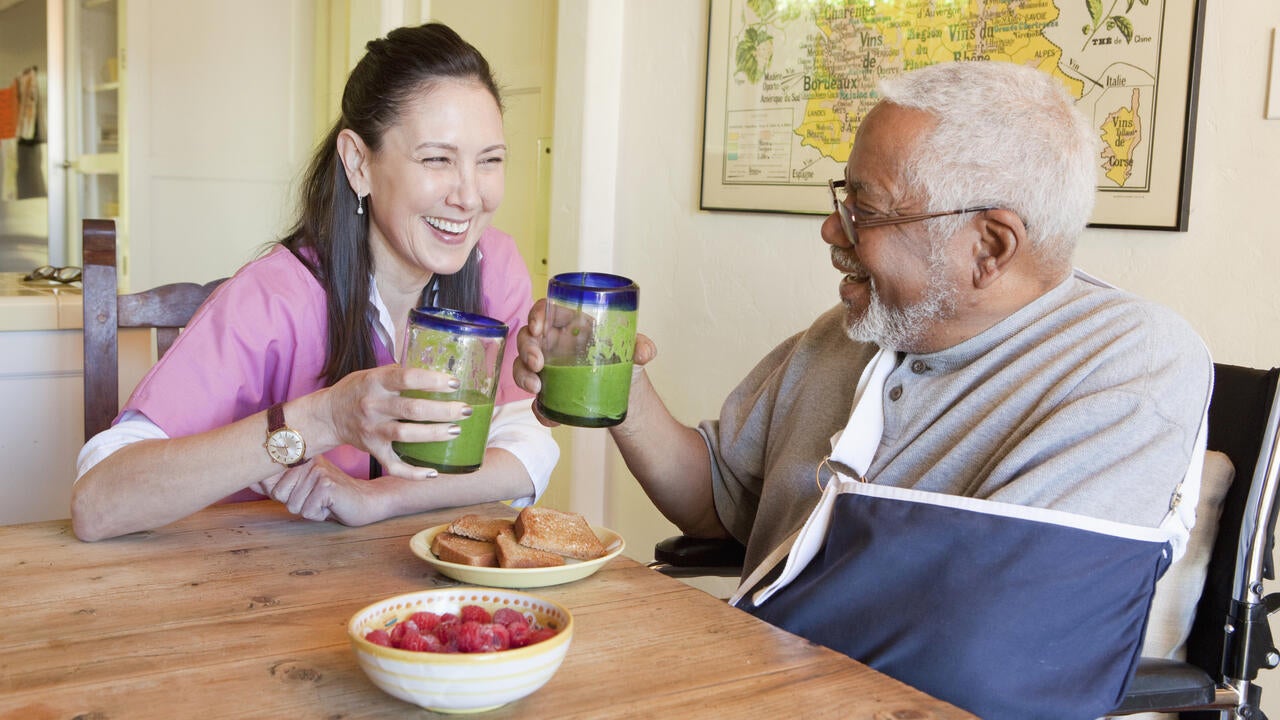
column 300, row 344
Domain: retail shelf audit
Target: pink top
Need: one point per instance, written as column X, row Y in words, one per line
column 261, row 338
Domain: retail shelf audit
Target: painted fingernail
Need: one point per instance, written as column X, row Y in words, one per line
column 455, row 430
column 466, row 411
column 454, row 383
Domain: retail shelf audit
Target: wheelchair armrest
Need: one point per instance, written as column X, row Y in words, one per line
column 1160, row 684
column 684, row 556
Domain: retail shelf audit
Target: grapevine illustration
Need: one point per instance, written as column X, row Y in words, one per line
column 1110, row 20
column 754, row 50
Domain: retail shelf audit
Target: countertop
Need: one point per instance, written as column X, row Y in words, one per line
column 28, row 306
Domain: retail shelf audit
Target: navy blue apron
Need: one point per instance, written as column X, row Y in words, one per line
column 1006, row 611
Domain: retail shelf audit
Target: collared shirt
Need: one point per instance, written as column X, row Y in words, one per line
column 1087, row 400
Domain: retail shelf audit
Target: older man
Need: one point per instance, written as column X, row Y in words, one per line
column 999, row 436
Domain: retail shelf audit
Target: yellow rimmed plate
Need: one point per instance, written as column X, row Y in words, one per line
column 517, row 578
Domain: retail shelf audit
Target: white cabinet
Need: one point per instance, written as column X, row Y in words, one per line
column 40, row 432
column 97, row 134
column 42, row 394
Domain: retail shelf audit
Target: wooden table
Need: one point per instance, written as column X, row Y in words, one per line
column 240, row 611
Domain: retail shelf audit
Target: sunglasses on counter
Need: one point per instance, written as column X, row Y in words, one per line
column 50, row 273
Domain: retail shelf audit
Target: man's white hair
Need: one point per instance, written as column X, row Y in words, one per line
column 1008, row 136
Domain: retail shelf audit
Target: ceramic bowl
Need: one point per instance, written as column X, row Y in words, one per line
column 460, row 682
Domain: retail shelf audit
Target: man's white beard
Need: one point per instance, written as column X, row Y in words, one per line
column 903, row 329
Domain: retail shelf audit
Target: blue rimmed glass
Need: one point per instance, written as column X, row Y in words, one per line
column 469, row 347
column 852, row 224
column 588, row 342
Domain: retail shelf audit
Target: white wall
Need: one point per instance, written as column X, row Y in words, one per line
column 221, row 124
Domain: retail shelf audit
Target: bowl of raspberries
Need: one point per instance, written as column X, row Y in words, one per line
column 465, row 649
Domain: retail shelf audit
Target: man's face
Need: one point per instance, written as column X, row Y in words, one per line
column 899, row 284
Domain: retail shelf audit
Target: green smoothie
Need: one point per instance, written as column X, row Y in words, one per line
column 585, row 395
column 463, row 453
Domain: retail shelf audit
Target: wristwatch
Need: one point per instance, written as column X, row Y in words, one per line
column 284, row 444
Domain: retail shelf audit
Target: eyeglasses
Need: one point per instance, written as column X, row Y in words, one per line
column 852, row 224
column 49, row 273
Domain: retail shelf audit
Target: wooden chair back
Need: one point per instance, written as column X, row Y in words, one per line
column 166, row 309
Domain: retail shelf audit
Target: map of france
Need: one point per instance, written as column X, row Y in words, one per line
column 805, row 74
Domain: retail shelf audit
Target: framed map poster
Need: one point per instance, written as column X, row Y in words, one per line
column 788, row 82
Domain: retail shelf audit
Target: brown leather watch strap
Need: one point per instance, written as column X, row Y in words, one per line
column 275, row 417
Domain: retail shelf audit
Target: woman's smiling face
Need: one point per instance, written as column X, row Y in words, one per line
column 436, row 181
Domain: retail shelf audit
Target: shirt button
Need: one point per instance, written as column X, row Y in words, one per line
column 896, row 392
column 918, row 366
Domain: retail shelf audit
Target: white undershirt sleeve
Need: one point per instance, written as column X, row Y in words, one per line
column 133, row 426
column 515, row 429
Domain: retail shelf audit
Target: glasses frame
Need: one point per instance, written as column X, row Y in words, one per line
column 852, row 225
column 49, row 273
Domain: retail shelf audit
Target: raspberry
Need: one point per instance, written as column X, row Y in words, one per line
column 426, row 621
column 378, row 637
column 501, row 637
column 541, row 634
column 475, row 637
column 447, row 633
column 519, row 633
column 412, row 640
column 400, row 629
column 506, row 616
column 475, row 613
column 433, row 644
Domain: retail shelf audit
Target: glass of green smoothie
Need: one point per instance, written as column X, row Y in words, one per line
column 587, row 345
column 469, row 347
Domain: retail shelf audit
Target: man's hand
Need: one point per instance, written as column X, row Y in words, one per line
column 531, row 338
column 529, row 359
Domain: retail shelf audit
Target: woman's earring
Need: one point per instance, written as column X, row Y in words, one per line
column 359, row 204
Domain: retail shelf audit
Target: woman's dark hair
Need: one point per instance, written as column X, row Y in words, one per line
column 394, row 70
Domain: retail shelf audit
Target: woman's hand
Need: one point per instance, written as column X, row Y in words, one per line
column 319, row 490
column 367, row 411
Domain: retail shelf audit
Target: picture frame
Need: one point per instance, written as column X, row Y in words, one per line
column 788, row 83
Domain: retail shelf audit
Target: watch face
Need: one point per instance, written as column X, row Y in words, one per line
column 285, row 446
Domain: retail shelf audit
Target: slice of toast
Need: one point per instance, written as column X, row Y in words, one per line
column 511, row 554
column 464, row 551
column 564, row 533
column 479, row 528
